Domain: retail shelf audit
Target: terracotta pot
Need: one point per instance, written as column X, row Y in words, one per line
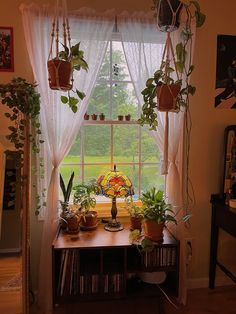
column 165, row 17
column 136, row 223
column 89, row 221
column 94, row 116
column 153, row 230
column 167, row 96
column 128, row 117
column 120, row 118
column 102, row 116
column 60, row 74
column 73, row 224
column 86, row 116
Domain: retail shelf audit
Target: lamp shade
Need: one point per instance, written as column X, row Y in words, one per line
column 115, row 183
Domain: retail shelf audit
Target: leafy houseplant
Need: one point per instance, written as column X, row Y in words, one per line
column 162, row 82
column 61, row 69
column 135, row 212
column 156, row 213
column 66, row 191
column 23, row 101
column 84, row 196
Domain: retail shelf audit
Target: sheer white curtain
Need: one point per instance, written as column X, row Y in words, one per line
column 143, row 46
column 59, row 124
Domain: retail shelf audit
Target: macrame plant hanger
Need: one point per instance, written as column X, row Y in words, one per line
column 171, row 91
column 60, row 70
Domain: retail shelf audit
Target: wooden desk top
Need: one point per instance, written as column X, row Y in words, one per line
column 100, row 238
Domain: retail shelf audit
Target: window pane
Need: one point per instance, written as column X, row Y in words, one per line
column 74, row 153
column 126, row 143
column 124, row 101
column 99, row 100
column 119, row 67
column 97, row 143
column 150, row 177
column 104, row 72
column 94, row 171
column 149, row 149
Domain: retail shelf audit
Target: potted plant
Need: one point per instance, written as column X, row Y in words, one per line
column 72, row 220
column 60, row 71
column 128, row 117
column 94, row 116
column 84, row 196
column 135, row 212
column 171, row 93
column 23, row 101
column 156, row 213
column 120, row 117
column 102, row 116
column 66, row 191
column 86, row 116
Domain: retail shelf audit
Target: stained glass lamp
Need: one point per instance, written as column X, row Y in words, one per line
column 114, row 184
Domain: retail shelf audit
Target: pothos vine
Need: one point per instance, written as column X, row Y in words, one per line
column 23, row 101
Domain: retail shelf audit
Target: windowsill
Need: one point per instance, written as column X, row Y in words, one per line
column 90, row 122
column 104, row 209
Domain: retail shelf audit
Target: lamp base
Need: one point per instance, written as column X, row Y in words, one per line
column 113, row 226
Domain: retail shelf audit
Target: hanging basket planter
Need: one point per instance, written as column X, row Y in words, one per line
column 64, row 59
column 168, row 14
column 167, row 97
column 60, row 74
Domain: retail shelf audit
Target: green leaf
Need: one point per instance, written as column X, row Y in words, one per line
column 64, row 99
column 74, row 109
column 149, row 82
column 200, row 19
column 73, row 101
column 81, row 95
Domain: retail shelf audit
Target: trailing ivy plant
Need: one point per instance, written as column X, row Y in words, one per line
column 76, row 57
column 164, row 74
column 23, row 101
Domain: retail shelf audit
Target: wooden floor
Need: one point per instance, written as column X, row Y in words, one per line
column 10, row 301
column 221, row 300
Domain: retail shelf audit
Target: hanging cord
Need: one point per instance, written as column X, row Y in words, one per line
column 168, row 50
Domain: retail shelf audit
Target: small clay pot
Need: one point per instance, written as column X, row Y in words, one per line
column 73, row 224
column 128, row 117
column 102, row 116
column 136, row 223
column 120, row 118
column 94, row 116
column 89, row 221
column 86, row 116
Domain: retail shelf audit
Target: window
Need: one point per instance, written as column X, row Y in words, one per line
column 100, row 144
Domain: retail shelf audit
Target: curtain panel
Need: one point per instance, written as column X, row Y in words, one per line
column 58, row 123
column 143, row 46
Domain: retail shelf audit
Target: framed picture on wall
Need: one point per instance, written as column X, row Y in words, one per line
column 6, row 49
column 225, row 92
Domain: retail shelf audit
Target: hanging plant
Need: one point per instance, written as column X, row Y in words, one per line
column 62, row 64
column 23, row 101
column 165, row 90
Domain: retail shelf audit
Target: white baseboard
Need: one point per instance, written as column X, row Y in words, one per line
column 195, row 283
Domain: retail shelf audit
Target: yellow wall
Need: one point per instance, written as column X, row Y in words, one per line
column 208, row 122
